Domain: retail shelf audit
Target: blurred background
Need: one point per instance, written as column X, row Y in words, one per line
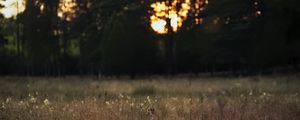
column 146, row 37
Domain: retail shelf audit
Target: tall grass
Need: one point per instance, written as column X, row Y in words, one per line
column 246, row 98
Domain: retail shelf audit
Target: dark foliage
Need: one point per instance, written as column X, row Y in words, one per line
column 113, row 37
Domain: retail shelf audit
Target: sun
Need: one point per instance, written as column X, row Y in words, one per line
column 12, row 8
column 174, row 13
column 164, row 11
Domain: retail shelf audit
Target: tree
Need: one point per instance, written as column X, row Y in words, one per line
column 127, row 44
column 42, row 46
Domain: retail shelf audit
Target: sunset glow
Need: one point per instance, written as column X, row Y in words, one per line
column 175, row 13
column 67, row 9
column 158, row 20
column 12, row 8
column 164, row 11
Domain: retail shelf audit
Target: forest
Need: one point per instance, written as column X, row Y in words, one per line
column 118, row 37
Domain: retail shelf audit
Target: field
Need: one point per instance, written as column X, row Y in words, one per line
column 155, row 98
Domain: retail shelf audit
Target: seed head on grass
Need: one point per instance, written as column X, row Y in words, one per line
column 46, row 102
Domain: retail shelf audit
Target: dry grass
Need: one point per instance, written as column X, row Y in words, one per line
column 246, row 98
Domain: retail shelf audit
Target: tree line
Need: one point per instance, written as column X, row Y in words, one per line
column 113, row 37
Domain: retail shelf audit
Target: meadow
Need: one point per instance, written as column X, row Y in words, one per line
column 273, row 97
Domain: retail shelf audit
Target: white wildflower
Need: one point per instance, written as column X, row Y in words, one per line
column 8, row 100
column 148, row 98
column 46, row 102
column 33, row 100
column 264, row 94
column 21, row 103
column 3, row 106
column 107, row 103
column 128, row 97
column 121, row 95
column 132, row 104
column 250, row 93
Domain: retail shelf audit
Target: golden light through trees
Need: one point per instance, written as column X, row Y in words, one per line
column 163, row 12
column 158, row 22
column 67, row 9
column 176, row 13
column 12, row 8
